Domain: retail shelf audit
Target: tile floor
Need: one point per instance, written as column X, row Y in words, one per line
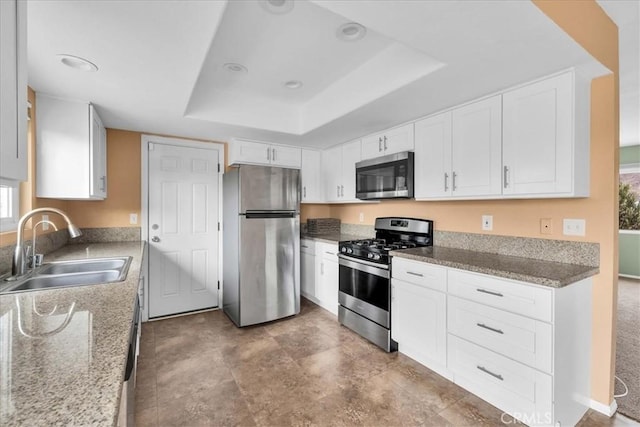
column 306, row 370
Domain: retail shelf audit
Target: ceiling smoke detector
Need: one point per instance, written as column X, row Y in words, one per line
column 77, row 63
column 235, row 68
column 293, row 84
column 277, row 7
column 351, row 31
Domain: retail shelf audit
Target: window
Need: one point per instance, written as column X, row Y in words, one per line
column 9, row 191
column 629, row 197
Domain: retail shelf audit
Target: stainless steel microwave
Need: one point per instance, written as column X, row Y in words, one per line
column 387, row 177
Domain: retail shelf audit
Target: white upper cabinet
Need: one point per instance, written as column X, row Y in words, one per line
column 546, row 138
column 71, row 154
column 432, row 157
column 458, row 153
column 13, row 87
column 311, row 176
column 476, row 156
column 259, row 153
column 390, row 141
column 339, row 171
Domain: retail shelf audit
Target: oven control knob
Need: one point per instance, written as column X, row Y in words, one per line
column 343, row 249
column 349, row 250
column 369, row 255
column 376, row 257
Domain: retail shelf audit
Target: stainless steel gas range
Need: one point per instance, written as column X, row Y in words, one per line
column 365, row 276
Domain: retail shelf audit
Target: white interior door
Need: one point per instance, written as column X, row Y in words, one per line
column 183, row 228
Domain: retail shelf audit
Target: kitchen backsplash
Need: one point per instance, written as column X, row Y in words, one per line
column 47, row 243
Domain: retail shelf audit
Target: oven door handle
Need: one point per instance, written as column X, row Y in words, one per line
column 380, row 270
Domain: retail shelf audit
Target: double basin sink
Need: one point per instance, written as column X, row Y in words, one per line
column 72, row 273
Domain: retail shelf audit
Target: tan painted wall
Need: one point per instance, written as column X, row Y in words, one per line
column 590, row 26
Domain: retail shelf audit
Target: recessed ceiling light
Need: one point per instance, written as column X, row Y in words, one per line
column 293, row 84
column 351, row 31
column 235, row 68
column 278, row 7
column 77, row 63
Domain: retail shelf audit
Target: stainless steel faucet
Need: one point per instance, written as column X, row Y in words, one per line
column 18, row 264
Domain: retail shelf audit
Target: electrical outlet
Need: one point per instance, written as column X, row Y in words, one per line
column 546, row 226
column 361, row 216
column 487, row 222
column 574, row 227
column 45, row 224
column 133, row 218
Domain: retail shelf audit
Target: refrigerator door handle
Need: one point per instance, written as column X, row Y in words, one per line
column 270, row 214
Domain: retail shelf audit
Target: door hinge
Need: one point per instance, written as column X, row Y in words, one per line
column 218, row 284
column 151, row 146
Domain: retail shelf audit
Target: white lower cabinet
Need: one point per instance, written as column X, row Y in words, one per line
column 327, row 274
column 522, row 347
column 308, row 269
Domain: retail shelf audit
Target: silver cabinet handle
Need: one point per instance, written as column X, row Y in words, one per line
column 446, row 182
column 453, row 181
column 380, row 144
column 338, row 191
column 269, row 154
column 506, row 176
column 155, row 239
column 482, row 325
column 103, row 178
column 486, row 371
column 385, row 143
column 330, row 253
column 484, row 291
column 304, row 192
column 274, row 154
column 304, row 246
column 342, row 190
column 415, row 274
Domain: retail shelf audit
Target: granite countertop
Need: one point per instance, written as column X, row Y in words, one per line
column 547, row 273
column 331, row 237
column 61, row 369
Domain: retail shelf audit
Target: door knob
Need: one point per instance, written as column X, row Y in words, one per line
column 155, row 239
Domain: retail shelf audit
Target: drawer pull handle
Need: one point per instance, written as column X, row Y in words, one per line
column 495, row 294
column 415, row 274
column 486, row 371
column 304, row 246
column 330, row 253
column 497, row 331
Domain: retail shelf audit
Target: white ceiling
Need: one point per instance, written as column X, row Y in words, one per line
column 160, row 62
column 626, row 15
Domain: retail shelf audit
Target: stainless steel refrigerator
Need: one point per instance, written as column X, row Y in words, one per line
column 261, row 244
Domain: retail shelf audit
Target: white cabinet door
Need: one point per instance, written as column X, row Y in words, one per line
column 390, row 141
column 330, row 276
column 70, row 150
column 351, row 154
column 311, row 176
column 251, row 152
column 13, row 87
column 98, row 156
column 477, row 149
column 288, row 157
column 398, row 139
column 433, row 157
column 419, row 323
column 308, row 275
column 332, row 173
column 538, row 137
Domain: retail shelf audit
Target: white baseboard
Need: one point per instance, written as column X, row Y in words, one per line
column 629, row 276
column 607, row 410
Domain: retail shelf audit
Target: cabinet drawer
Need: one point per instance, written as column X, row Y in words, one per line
column 520, row 338
column 327, row 250
column 308, row 246
column 420, row 273
column 511, row 386
column 516, row 297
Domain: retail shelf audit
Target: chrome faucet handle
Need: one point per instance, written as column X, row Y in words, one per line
column 37, row 260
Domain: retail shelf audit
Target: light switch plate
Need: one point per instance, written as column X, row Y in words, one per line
column 487, row 222
column 574, row 227
column 133, row 218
